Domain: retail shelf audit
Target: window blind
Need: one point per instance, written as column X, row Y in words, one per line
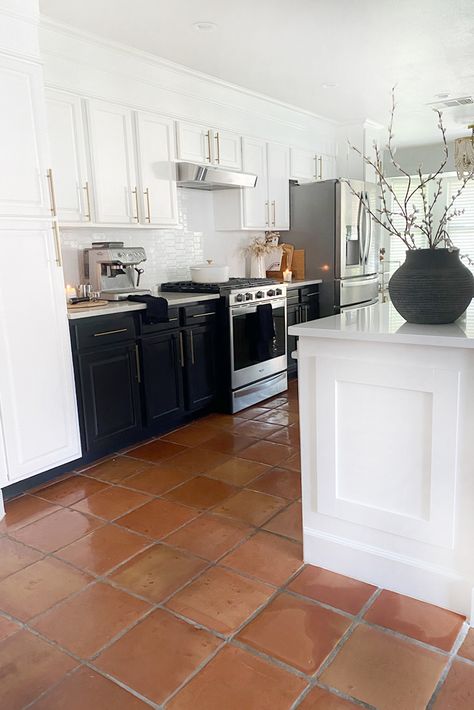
column 461, row 228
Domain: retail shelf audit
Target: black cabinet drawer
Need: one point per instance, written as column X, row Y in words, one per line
column 200, row 314
column 102, row 330
column 147, row 329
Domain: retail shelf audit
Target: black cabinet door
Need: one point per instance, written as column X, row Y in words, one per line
column 110, row 397
column 200, row 366
column 293, row 317
column 162, row 365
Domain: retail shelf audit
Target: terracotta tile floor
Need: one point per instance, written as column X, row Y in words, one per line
column 171, row 576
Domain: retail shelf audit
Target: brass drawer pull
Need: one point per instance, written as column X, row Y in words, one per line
column 171, row 320
column 88, row 201
column 135, row 193
column 110, row 332
column 192, row 346
column 148, row 213
column 202, row 315
column 137, row 361
column 181, row 349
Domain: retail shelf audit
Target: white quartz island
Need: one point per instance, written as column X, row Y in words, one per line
column 387, row 449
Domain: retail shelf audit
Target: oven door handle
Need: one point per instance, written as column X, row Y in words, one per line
column 252, row 308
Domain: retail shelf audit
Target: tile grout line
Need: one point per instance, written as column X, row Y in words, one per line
column 451, row 658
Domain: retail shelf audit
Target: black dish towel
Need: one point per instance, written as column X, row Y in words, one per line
column 156, row 308
column 265, row 328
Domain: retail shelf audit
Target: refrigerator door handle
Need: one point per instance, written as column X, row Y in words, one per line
column 360, row 232
column 368, row 230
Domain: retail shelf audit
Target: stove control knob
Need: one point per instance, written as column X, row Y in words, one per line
column 239, row 298
column 278, row 292
column 259, row 294
column 271, row 292
column 248, row 296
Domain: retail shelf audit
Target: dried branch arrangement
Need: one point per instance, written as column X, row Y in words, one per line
column 400, row 217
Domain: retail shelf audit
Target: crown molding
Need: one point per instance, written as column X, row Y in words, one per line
column 161, row 62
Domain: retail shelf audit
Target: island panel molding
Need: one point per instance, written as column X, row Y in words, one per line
column 386, row 446
column 386, row 453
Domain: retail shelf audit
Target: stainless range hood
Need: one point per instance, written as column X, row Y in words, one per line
column 208, row 177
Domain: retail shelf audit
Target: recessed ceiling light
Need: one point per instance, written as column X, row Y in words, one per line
column 205, row 26
column 328, row 85
column 442, row 95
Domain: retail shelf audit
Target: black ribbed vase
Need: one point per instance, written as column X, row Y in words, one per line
column 432, row 286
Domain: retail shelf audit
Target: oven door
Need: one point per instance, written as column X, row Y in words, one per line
column 249, row 361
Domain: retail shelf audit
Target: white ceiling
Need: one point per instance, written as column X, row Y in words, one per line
column 288, row 49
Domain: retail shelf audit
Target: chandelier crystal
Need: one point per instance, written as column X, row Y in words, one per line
column 464, row 155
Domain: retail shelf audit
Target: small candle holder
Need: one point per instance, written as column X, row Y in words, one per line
column 287, row 276
column 70, row 292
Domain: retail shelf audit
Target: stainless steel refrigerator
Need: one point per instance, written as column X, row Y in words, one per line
column 341, row 241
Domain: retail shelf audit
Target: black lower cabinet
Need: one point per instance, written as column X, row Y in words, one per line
column 135, row 381
column 292, row 319
column 199, row 366
column 110, row 397
column 161, row 374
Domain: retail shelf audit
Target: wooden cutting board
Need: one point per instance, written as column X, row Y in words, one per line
column 86, row 304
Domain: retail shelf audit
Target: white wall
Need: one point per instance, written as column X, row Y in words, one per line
column 428, row 156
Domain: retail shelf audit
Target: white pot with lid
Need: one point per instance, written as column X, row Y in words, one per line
column 209, row 273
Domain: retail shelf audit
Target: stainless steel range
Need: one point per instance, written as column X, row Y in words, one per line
column 253, row 335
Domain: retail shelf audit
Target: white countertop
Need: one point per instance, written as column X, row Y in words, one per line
column 302, row 282
column 174, row 299
column 382, row 323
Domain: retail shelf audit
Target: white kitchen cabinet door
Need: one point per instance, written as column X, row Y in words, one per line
column 157, row 171
column 37, row 393
column 194, row 142
column 23, row 187
column 255, row 205
column 68, row 156
column 303, row 165
column 227, row 151
column 326, row 167
column 113, row 163
column 278, row 186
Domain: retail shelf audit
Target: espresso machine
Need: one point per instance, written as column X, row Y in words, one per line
column 113, row 270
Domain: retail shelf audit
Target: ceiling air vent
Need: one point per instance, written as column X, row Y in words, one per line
column 451, row 103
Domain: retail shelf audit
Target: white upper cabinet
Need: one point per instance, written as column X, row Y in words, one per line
column 156, row 169
column 255, row 205
column 193, row 142
column 23, row 187
column 303, row 164
column 308, row 166
column 265, row 206
column 68, row 156
column 115, row 186
column 327, row 167
column 37, row 394
column 278, row 157
column 227, row 149
column 200, row 144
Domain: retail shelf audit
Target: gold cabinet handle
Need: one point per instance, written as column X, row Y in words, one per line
column 203, row 315
column 110, row 332
column 218, row 145
column 192, row 346
column 267, row 208
column 315, row 167
column 320, row 167
column 274, row 213
column 148, row 213
column 52, row 196
column 55, row 225
column 208, row 136
column 135, row 192
column 88, row 201
column 57, row 243
column 137, row 362
column 181, row 349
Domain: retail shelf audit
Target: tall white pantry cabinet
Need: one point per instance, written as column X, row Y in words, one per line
column 38, row 414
